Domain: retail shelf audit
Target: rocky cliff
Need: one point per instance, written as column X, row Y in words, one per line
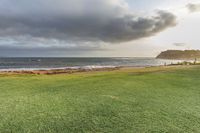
column 180, row 55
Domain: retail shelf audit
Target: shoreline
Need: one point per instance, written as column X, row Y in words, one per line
column 67, row 70
column 87, row 68
column 81, row 70
column 63, row 70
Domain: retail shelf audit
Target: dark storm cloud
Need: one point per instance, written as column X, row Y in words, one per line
column 79, row 20
column 193, row 7
column 130, row 28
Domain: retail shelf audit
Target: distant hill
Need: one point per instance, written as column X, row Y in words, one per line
column 180, row 55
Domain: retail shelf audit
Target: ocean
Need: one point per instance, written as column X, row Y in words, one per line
column 56, row 63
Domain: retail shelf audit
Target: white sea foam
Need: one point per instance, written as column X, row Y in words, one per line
column 58, row 68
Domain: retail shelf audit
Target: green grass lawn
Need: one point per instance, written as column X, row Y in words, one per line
column 146, row 100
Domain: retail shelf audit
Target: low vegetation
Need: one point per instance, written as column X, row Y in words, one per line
column 132, row 100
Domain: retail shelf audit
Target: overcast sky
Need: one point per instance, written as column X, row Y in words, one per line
column 97, row 28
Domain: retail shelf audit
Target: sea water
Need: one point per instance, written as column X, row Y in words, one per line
column 54, row 63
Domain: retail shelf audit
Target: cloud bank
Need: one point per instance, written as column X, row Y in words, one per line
column 193, row 7
column 179, row 44
column 74, row 23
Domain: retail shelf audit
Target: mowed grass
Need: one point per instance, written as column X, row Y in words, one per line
column 143, row 100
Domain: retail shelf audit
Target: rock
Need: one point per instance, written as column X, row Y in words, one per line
column 180, row 55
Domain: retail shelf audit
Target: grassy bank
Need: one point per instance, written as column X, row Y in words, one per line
column 130, row 100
